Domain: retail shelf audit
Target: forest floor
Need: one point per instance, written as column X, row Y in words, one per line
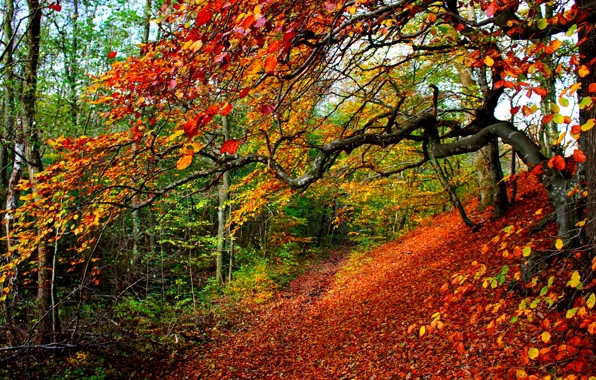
column 415, row 308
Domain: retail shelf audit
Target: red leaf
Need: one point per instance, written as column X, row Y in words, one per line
column 244, row 92
column 579, row 156
column 557, row 162
column 190, row 128
column 172, row 84
column 226, row 109
column 492, row 9
column 212, row 110
column 230, row 146
column 547, row 118
column 112, row 55
column 266, row 109
column 592, row 87
column 288, row 36
column 203, row 17
column 538, row 170
column 514, row 110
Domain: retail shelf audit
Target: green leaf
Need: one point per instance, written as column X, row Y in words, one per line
column 571, row 30
column 571, row 312
column 564, row 102
column 544, row 290
column 586, row 102
column 542, row 23
column 527, row 251
column 558, row 118
column 591, row 300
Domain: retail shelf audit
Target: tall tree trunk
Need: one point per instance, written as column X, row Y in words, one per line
column 47, row 328
column 222, row 216
column 495, row 171
column 9, row 95
column 11, row 205
column 147, row 22
column 587, row 52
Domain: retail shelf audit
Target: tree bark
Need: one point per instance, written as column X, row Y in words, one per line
column 222, row 215
column 9, row 94
column 500, row 201
column 587, row 53
column 46, row 328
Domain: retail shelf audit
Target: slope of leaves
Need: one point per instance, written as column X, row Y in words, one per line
column 413, row 308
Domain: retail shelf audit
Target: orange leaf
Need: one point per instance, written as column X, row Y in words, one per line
column 540, row 91
column 460, row 348
column 592, row 87
column 557, row 162
column 579, row 155
column 184, row 162
column 230, row 146
column 270, row 64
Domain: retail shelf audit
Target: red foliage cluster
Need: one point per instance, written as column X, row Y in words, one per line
column 414, row 308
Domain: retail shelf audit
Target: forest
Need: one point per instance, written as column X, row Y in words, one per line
column 317, row 189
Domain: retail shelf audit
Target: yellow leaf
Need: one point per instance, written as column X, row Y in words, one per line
column 561, row 136
column 575, row 279
column 422, row 330
column 196, row 45
column 436, row 316
column 184, row 162
column 583, row 71
column 570, row 313
column 533, row 353
column 588, row 125
column 527, row 251
column 545, row 337
column 559, row 244
column 488, row 61
column 591, row 301
column 580, row 224
column 555, row 45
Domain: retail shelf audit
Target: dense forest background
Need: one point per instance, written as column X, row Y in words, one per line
column 161, row 164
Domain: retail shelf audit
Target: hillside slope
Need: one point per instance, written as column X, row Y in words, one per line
column 413, row 308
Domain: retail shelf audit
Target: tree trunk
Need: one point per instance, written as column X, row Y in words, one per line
column 587, row 53
column 222, row 216
column 46, row 328
column 495, row 172
column 9, row 94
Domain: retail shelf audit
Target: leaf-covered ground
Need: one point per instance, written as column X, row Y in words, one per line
column 415, row 308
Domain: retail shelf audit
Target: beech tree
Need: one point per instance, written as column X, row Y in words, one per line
column 285, row 60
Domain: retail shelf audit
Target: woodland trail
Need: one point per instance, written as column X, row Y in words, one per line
column 371, row 316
